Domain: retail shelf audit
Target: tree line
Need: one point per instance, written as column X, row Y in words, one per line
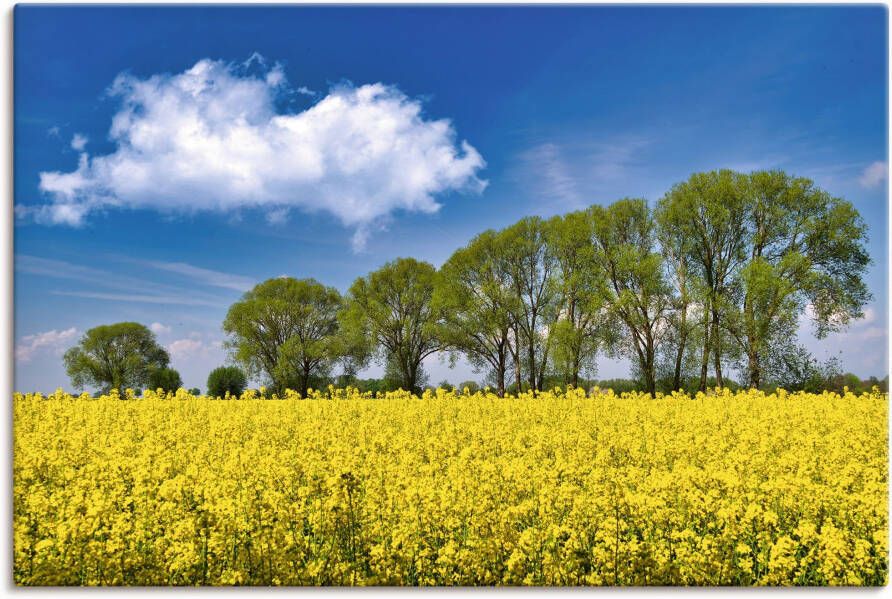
column 711, row 280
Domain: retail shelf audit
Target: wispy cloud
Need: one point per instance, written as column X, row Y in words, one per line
column 150, row 291
column 181, row 300
column 571, row 173
column 60, row 269
column 547, row 167
column 612, row 160
column 873, row 175
column 204, row 276
column 30, row 345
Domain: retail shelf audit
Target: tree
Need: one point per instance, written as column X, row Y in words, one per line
column 226, row 378
column 195, row 391
column 624, row 239
column 804, row 248
column 285, row 330
column 709, row 212
column 393, row 307
column 115, row 356
column 683, row 321
column 791, row 367
column 474, row 297
column 763, row 246
column 166, row 379
column 531, row 268
column 581, row 324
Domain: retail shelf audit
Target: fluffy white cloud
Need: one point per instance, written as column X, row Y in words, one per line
column 212, row 138
column 193, row 347
column 874, row 174
column 158, row 328
column 30, row 345
column 79, row 142
column 185, row 348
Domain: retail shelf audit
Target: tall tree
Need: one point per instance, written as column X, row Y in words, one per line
column 531, row 268
column 475, row 299
column 393, row 306
column 803, row 247
column 115, row 356
column 624, row 239
column 687, row 288
column 581, row 317
column 709, row 211
column 285, row 329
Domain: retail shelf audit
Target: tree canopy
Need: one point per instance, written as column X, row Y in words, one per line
column 115, row 356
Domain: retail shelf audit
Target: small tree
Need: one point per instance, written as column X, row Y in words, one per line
column 226, row 378
column 166, row 379
column 195, row 391
column 286, row 330
column 115, row 356
column 393, row 307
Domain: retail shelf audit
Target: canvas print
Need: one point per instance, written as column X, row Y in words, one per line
column 450, row 296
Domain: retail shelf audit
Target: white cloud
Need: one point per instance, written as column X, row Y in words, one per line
column 193, row 347
column 159, row 329
column 184, row 348
column 874, row 174
column 211, row 138
column 53, row 131
column 79, row 142
column 30, row 345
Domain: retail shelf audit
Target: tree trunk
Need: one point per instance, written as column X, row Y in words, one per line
column 649, row 377
column 755, row 369
column 717, row 346
column 679, row 357
column 531, row 357
column 500, row 374
column 704, row 364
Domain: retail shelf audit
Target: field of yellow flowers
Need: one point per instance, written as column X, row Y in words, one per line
column 451, row 489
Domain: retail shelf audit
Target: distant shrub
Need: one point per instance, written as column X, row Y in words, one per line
column 166, row 379
column 226, row 378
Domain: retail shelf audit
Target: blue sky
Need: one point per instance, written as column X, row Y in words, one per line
column 135, row 201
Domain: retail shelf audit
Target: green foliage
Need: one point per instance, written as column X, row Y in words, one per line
column 226, row 379
column 532, row 270
column 393, row 307
column 286, row 331
column 763, row 247
column 582, row 325
column 166, row 379
column 624, row 239
column 793, row 368
column 115, row 356
column 195, row 391
column 476, row 305
column 714, row 280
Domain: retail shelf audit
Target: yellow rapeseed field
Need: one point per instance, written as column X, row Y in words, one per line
column 451, row 489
